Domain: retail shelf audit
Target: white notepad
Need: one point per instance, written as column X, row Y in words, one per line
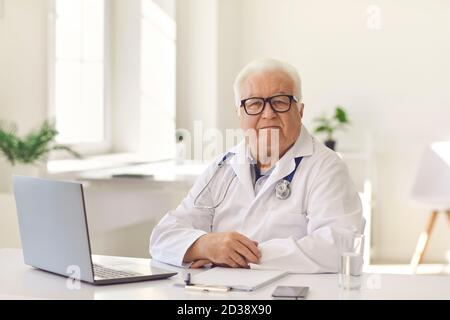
column 237, row 279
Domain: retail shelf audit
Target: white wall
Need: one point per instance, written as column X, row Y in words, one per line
column 197, row 63
column 229, row 60
column 9, row 226
column 138, row 53
column 394, row 82
column 208, row 58
column 125, row 63
column 23, row 71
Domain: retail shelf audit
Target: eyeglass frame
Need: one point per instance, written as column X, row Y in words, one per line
column 269, row 100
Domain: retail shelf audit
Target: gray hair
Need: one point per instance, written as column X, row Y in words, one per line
column 261, row 66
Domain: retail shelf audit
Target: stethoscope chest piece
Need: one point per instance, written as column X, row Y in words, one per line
column 282, row 189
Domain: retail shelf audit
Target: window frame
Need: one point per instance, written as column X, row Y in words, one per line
column 87, row 148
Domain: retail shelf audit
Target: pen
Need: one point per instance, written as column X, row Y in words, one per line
column 187, row 279
column 196, row 287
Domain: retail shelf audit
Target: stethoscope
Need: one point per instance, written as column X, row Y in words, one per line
column 282, row 187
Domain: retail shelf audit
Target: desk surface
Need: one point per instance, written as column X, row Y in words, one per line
column 19, row 281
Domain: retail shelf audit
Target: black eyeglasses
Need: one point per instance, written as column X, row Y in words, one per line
column 279, row 103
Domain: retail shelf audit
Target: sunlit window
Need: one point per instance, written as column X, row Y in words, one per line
column 78, row 70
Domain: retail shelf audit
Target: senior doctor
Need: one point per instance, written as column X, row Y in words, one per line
column 278, row 211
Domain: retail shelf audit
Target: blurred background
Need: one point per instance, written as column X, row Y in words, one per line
column 119, row 79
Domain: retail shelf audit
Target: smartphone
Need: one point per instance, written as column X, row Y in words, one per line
column 290, row 292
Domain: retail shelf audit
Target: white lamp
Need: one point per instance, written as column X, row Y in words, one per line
column 432, row 187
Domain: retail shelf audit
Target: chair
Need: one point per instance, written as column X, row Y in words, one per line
column 432, row 187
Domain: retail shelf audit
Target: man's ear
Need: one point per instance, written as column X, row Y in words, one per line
column 300, row 109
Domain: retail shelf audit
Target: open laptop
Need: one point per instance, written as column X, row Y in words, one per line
column 55, row 237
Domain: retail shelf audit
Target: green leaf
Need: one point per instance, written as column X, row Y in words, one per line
column 68, row 149
column 36, row 145
column 329, row 125
column 341, row 115
column 321, row 129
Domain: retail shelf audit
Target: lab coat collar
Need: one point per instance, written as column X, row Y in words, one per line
column 240, row 163
column 303, row 147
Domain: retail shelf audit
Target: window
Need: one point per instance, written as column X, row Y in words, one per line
column 77, row 73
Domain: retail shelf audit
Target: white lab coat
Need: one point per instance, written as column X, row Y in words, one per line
column 299, row 234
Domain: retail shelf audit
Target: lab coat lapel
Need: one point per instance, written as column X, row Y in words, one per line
column 241, row 166
column 283, row 167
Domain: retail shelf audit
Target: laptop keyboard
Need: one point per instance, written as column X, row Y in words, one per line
column 108, row 273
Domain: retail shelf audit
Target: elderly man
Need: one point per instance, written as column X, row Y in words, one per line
column 284, row 208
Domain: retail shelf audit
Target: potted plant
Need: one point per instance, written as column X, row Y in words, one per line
column 329, row 125
column 22, row 154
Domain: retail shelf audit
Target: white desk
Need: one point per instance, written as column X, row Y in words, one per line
column 18, row 281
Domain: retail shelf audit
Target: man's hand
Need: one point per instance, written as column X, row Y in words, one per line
column 200, row 263
column 223, row 248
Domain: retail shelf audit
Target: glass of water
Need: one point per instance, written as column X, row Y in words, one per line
column 350, row 260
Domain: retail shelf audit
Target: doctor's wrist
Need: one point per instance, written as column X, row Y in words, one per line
column 197, row 250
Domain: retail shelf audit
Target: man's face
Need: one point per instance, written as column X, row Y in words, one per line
column 287, row 125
